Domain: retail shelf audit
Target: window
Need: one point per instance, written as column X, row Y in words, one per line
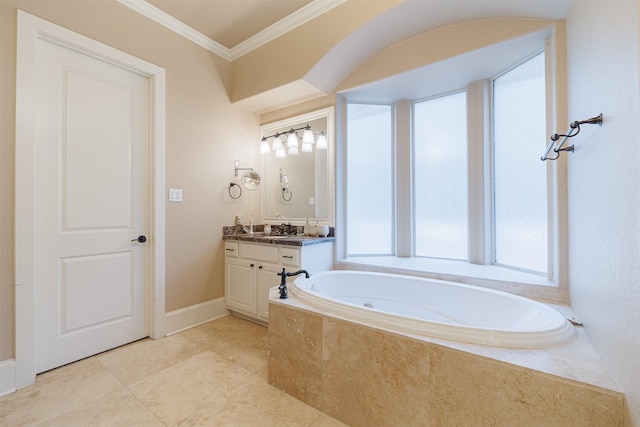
column 440, row 177
column 519, row 183
column 370, row 181
column 493, row 214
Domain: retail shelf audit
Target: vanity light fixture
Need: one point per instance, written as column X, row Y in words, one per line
column 292, row 146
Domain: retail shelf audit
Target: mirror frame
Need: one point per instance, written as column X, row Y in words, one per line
column 270, row 129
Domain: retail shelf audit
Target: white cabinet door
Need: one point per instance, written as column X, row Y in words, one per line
column 252, row 269
column 240, row 282
column 267, row 278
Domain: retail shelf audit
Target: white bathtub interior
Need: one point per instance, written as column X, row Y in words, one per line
column 435, row 308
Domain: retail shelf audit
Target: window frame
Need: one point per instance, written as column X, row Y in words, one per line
column 479, row 270
column 492, row 197
column 413, row 219
column 394, row 217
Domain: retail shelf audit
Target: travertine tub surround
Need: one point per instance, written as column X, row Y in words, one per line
column 366, row 376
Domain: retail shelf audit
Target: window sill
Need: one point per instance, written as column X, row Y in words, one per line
column 487, row 276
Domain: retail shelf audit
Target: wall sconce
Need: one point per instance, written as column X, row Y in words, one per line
column 250, row 179
column 292, row 145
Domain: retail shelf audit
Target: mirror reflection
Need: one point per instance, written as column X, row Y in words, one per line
column 298, row 186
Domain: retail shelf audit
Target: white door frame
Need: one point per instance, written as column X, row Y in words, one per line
column 30, row 30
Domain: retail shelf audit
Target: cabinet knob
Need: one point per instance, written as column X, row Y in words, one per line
column 260, row 267
column 252, row 265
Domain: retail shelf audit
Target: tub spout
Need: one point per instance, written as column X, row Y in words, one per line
column 284, row 294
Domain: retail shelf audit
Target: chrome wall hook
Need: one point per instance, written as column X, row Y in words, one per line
column 574, row 129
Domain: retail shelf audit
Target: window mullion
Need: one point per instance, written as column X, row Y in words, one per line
column 479, row 162
column 404, row 177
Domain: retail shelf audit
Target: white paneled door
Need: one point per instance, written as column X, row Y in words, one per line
column 92, row 200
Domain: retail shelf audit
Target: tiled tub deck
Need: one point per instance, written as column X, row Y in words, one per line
column 366, row 376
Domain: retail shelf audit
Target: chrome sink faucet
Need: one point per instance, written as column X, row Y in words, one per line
column 288, row 228
column 284, row 294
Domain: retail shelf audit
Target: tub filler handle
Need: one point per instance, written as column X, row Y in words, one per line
column 284, row 294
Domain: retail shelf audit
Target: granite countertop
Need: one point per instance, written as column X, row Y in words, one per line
column 292, row 240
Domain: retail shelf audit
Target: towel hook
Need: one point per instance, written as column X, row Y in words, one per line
column 574, row 129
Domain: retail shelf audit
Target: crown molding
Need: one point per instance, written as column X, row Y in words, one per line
column 286, row 24
column 177, row 26
column 297, row 18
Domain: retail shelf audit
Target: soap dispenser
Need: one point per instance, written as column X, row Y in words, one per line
column 307, row 228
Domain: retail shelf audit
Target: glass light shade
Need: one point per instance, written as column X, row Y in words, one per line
column 292, row 141
column 322, row 142
column 264, row 147
column 306, row 147
column 277, row 144
column 293, row 150
column 307, row 138
column 281, row 154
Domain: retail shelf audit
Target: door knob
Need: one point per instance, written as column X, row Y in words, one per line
column 140, row 239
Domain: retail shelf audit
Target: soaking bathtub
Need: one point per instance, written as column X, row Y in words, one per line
column 434, row 308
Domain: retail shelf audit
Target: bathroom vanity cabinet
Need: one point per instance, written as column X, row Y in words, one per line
column 251, row 269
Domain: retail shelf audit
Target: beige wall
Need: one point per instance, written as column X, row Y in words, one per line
column 604, row 185
column 7, row 133
column 205, row 133
column 303, row 108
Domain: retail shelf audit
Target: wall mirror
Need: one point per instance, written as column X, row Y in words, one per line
column 299, row 186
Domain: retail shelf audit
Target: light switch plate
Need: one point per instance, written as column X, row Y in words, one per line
column 175, row 194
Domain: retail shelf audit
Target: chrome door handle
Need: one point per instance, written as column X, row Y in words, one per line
column 140, row 239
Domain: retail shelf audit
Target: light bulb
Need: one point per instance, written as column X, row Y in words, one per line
column 307, row 137
column 306, row 147
column 281, row 154
column 264, row 147
column 277, row 144
column 321, row 144
column 292, row 141
column 293, row 151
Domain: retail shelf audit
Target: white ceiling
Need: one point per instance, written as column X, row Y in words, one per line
column 231, row 28
column 229, row 22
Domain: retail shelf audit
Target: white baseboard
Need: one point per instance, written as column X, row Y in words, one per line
column 188, row 317
column 7, row 377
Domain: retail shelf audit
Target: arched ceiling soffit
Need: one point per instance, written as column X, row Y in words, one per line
column 356, row 33
column 275, row 72
column 393, row 28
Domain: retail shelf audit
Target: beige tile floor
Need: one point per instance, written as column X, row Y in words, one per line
column 211, row 375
